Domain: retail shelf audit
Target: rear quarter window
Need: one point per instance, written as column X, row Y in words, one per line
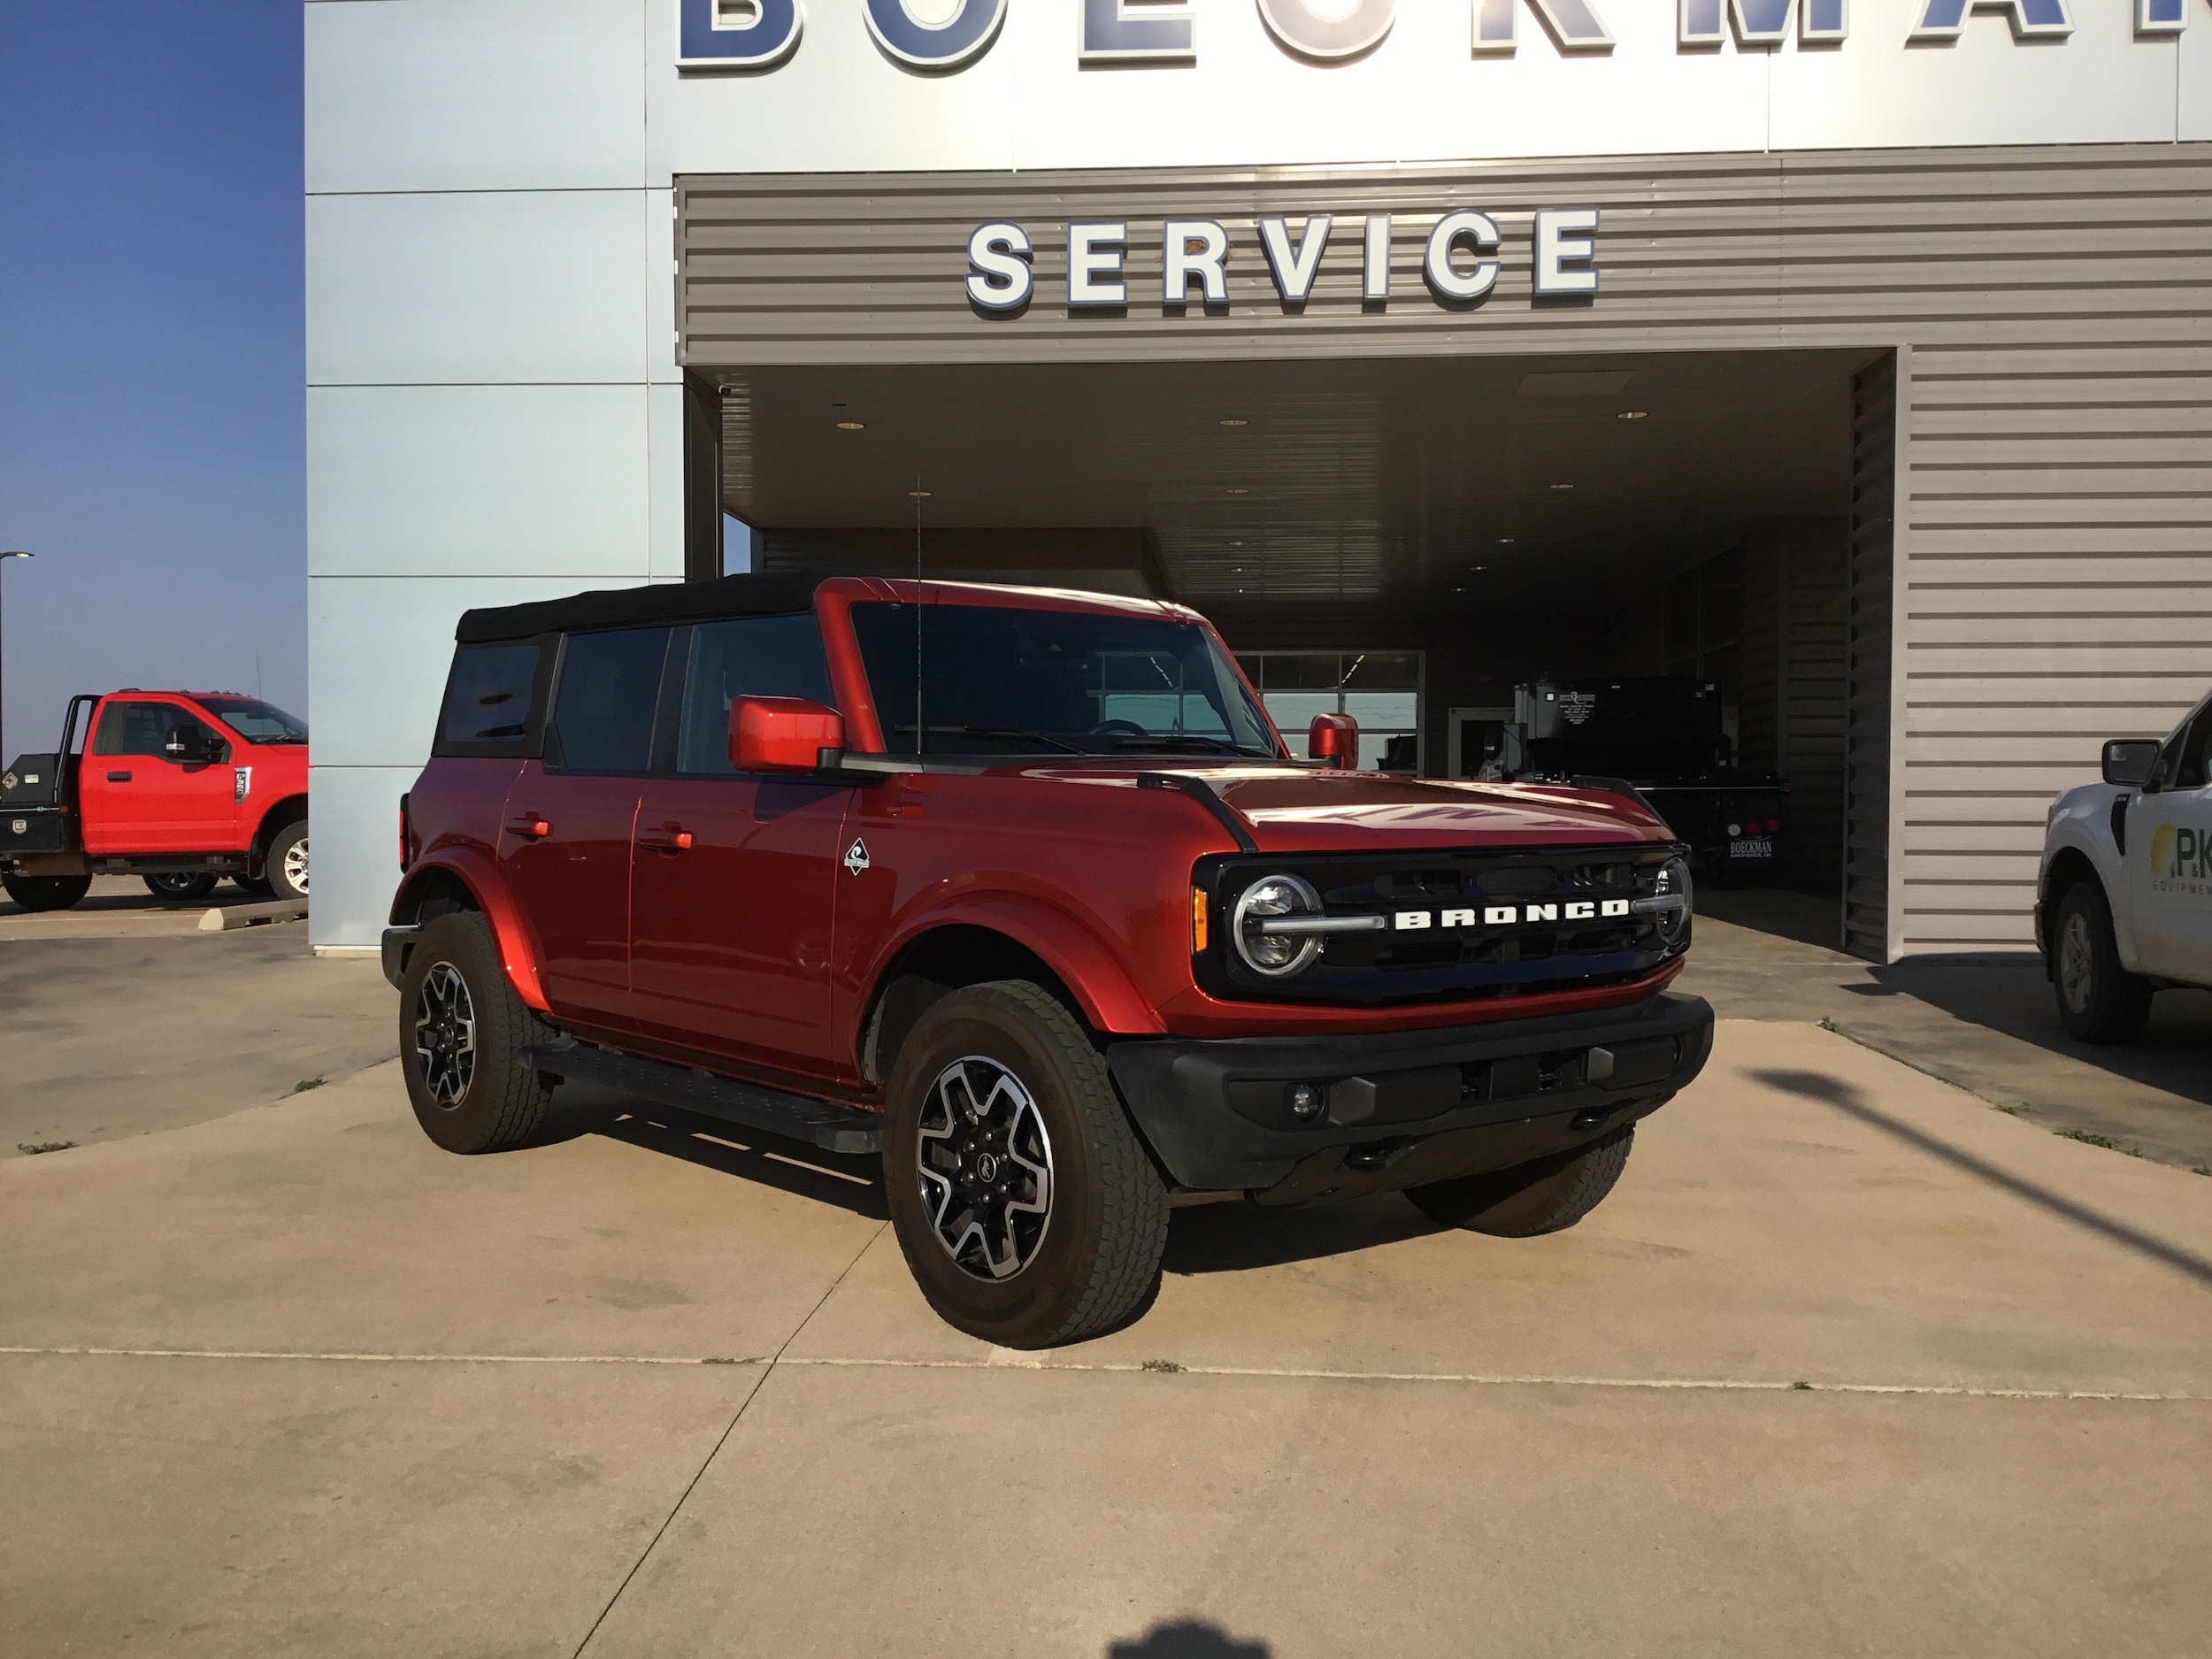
column 494, row 700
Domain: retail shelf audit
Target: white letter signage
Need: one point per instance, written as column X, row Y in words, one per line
column 1001, row 279
column 1294, row 268
column 1555, row 245
column 1094, row 256
column 1194, row 248
column 1448, row 284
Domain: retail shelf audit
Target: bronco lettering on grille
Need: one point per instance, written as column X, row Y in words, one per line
column 1513, row 915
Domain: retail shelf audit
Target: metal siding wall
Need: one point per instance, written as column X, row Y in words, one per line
column 1870, row 664
column 2053, row 547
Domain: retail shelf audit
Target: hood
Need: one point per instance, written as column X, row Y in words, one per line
column 1329, row 811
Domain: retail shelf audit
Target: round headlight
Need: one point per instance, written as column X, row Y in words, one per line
column 1667, row 899
column 1275, row 899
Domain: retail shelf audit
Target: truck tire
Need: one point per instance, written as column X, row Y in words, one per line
column 46, row 892
column 1542, row 1196
column 2098, row 1000
column 255, row 886
column 1027, row 1210
column 181, row 887
column 287, row 871
column 462, row 1029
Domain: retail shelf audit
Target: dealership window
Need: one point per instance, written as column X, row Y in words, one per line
column 753, row 657
column 1380, row 690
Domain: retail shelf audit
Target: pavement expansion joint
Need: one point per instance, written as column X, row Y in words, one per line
column 1709, row 1385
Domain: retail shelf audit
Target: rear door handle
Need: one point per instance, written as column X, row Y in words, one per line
column 669, row 838
column 118, row 777
column 530, row 825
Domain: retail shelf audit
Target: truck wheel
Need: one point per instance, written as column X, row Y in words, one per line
column 1542, row 1196
column 2098, row 1000
column 286, row 875
column 461, row 1028
column 1025, row 1207
column 46, row 892
column 182, row 888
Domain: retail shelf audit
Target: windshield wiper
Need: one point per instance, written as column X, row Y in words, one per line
column 1005, row 734
column 1187, row 740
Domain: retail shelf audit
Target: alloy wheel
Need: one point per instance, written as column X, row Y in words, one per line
column 445, row 1035
column 985, row 1163
column 2076, row 962
column 295, row 864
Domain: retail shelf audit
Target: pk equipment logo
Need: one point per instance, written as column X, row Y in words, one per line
column 2181, row 861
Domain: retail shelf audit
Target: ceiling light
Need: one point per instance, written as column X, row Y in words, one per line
column 918, row 494
column 1631, row 414
column 1482, row 567
column 1236, row 544
column 1505, row 540
column 1459, row 590
column 1236, row 490
column 852, row 425
column 1562, row 486
column 1236, row 420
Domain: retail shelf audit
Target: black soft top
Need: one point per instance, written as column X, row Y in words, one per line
column 778, row 595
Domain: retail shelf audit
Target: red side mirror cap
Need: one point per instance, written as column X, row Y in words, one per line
column 1335, row 738
column 782, row 733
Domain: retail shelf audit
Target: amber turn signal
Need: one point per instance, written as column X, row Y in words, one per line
column 1198, row 921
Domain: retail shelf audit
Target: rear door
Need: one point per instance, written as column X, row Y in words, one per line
column 734, row 876
column 134, row 797
column 565, row 841
column 2170, row 859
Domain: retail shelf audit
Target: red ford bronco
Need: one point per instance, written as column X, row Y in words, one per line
column 181, row 787
column 1020, row 889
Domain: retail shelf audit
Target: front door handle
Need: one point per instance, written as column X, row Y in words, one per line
column 669, row 838
column 118, row 777
column 531, row 825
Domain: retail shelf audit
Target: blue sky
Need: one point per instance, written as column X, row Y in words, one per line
column 151, row 412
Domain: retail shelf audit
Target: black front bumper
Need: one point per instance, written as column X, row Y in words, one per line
column 1400, row 1109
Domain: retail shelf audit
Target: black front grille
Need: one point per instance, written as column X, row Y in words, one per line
column 1558, row 933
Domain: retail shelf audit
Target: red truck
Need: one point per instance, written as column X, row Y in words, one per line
column 1020, row 890
column 181, row 787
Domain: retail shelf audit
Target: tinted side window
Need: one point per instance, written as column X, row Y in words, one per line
column 756, row 656
column 141, row 728
column 2194, row 767
column 487, row 700
column 603, row 711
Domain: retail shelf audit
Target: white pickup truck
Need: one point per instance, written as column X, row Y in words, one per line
column 2124, row 906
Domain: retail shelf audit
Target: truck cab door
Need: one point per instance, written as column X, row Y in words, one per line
column 134, row 796
column 2170, row 859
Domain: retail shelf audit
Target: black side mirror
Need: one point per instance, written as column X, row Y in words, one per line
column 2128, row 761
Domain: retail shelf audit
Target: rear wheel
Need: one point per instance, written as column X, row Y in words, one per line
column 286, row 873
column 46, row 892
column 2098, row 1000
column 462, row 1030
column 1542, row 1196
column 1026, row 1209
column 182, row 887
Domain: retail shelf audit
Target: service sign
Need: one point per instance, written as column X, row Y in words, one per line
column 765, row 86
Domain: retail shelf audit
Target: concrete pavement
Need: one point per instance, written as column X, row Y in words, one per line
column 294, row 1381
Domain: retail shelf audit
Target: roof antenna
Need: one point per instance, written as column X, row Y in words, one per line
column 921, row 725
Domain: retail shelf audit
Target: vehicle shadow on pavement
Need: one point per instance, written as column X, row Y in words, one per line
column 1188, row 1638
column 1231, row 1238
column 1830, row 1091
column 2016, row 1001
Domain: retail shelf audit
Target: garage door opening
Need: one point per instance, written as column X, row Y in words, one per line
column 1407, row 539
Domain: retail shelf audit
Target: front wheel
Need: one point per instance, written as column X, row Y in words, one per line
column 1542, row 1196
column 46, row 892
column 181, row 887
column 2098, row 1000
column 1027, row 1210
column 286, row 871
column 462, row 1030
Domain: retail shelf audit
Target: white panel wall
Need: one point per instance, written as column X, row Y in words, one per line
column 493, row 409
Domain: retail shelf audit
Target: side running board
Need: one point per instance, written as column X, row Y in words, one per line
column 824, row 1124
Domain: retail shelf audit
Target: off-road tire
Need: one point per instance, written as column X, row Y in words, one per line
column 2098, row 1000
column 46, row 892
column 1096, row 1263
column 1542, row 1196
column 276, row 875
column 504, row 1103
column 187, row 887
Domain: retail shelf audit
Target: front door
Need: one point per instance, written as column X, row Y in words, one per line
column 134, row 797
column 2170, row 859
column 565, row 837
column 735, row 883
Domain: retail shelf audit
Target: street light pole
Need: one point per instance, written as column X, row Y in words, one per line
column 12, row 553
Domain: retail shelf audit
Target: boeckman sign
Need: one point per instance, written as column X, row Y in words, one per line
column 1460, row 264
column 762, row 34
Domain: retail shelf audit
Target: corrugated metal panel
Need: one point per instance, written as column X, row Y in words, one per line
column 2054, row 480
column 1869, row 668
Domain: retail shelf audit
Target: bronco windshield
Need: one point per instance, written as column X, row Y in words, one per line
column 256, row 721
column 996, row 680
